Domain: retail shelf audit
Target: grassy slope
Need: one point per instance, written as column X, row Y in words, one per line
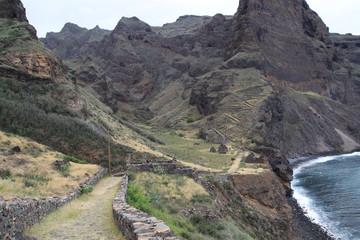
column 30, row 172
column 166, row 196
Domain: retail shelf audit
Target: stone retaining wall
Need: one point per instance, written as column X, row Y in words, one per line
column 169, row 167
column 135, row 224
column 19, row 214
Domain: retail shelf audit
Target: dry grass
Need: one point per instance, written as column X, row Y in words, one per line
column 31, row 170
column 170, row 186
column 193, row 150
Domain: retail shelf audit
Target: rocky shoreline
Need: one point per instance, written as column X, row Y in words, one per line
column 302, row 226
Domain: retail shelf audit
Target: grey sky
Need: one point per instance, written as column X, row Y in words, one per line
column 50, row 15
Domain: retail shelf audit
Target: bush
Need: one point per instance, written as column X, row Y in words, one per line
column 159, row 170
column 64, row 169
column 201, row 198
column 137, row 198
column 180, row 180
column 29, row 183
column 149, row 122
column 5, row 173
column 7, row 143
column 190, row 120
column 85, row 189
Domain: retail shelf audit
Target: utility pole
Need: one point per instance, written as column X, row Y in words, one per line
column 109, row 157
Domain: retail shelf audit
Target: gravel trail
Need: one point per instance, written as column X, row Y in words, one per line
column 88, row 217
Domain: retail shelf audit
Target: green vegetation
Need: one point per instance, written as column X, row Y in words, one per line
column 193, row 150
column 147, row 193
column 5, row 173
column 36, row 111
column 159, row 170
column 194, row 119
column 74, row 159
column 15, row 36
column 34, row 180
column 64, row 169
column 85, row 189
column 149, row 122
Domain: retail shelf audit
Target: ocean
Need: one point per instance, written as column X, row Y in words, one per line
column 328, row 189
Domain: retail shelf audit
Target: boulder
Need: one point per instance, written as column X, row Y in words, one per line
column 16, row 149
column 223, row 149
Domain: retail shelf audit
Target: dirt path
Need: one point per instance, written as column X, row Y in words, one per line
column 235, row 165
column 193, row 165
column 88, row 217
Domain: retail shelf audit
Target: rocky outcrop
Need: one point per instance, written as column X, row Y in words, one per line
column 301, row 124
column 256, row 202
column 37, row 64
column 73, row 40
column 135, row 224
column 13, row 9
column 19, row 214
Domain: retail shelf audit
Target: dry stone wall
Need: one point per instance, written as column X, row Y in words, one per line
column 168, row 167
column 135, row 224
column 19, row 214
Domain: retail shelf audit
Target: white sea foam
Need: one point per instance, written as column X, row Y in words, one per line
column 311, row 209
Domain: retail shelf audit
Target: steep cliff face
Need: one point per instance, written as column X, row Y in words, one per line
column 13, row 9
column 257, row 203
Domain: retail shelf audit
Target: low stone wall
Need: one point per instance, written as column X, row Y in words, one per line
column 19, row 214
column 168, row 167
column 135, row 224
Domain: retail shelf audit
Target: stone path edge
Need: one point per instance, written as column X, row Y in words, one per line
column 135, row 224
column 19, row 214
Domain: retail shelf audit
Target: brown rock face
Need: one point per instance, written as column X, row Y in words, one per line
column 294, row 44
column 37, row 64
column 13, row 9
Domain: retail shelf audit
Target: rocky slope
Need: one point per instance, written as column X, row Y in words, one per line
column 269, row 79
column 39, row 100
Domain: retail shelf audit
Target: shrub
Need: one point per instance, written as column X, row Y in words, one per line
column 5, row 173
column 64, row 169
column 201, row 198
column 149, row 122
column 159, row 170
column 85, row 189
column 137, row 198
column 181, row 135
column 29, row 183
column 180, row 180
column 41, row 179
column 190, row 120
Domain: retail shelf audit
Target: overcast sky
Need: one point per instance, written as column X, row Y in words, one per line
column 51, row 15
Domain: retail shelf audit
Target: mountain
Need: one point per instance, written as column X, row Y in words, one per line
column 270, row 82
column 270, row 78
column 39, row 100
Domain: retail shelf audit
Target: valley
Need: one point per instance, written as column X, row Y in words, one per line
column 201, row 114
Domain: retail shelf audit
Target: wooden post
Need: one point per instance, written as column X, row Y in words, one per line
column 109, row 157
